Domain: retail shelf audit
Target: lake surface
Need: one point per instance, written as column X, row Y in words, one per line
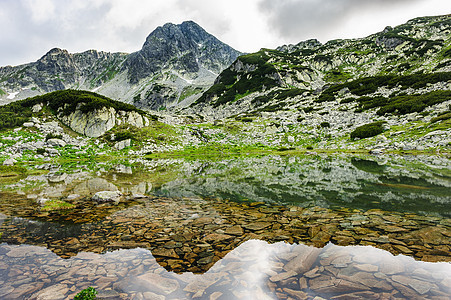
column 260, row 227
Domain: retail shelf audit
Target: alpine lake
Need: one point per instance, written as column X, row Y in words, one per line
column 311, row 226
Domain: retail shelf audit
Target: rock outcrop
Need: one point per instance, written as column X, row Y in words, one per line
column 96, row 123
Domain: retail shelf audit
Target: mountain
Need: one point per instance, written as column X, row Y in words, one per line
column 311, row 77
column 175, row 65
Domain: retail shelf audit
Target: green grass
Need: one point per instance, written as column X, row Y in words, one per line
column 10, row 171
column 55, row 204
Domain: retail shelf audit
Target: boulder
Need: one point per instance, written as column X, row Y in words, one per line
column 9, row 162
column 92, row 124
column 28, row 124
column 56, row 143
column 123, row 144
column 36, row 108
column 107, row 196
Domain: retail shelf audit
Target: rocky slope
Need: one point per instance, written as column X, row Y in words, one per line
column 297, row 73
column 176, row 63
column 394, row 77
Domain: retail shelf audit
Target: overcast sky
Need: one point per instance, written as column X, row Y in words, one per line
column 29, row 28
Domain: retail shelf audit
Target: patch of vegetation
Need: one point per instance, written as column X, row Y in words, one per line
column 56, row 204
column 123, row 135
column 86, row 294
column 368, row 130
column 324, row 125
column 413, row 103
column 40, row 151
column 53, row 136
column 422, row 47
column 283, row 149
column 442, row 117
column 189, row 91
column 156, row 132
column 260, row 100
column 369, row 85
column 10, row 171
column 229, row 83
column 2, row 92
column 347, row 100
column 308, row 109
column 337, row 75
column 284, row 94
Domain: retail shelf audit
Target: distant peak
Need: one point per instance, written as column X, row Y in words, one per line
column 57, row 51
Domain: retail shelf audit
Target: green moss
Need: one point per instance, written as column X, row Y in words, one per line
column 52, row 205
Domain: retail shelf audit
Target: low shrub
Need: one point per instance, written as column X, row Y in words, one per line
column 441, row 117
column 53, row 136
column 368, row 130
column 123, row 135
column 86, row 294
column 325, row 124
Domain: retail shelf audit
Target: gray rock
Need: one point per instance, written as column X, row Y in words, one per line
column 123, row 144
column 54, row 292
column 73, row 196
column 124, row 169
column 9, row 162
column 408, row 147
column 54, row 178
column 56, row 143
column 377, row 151
column 28, row 124
column 107, row 196
column 36, row 108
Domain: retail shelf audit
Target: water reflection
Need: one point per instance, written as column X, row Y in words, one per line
column 418, row 184
column 254, row 270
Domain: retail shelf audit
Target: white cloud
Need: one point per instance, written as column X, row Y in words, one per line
column 40, row 10
column 35, row 26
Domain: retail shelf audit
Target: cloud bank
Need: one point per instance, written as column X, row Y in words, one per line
column 32, row 27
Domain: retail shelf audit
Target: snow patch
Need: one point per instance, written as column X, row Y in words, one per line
column 12, row 95
column 96, row 89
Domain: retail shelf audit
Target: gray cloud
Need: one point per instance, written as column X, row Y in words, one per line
column 297, row 19
column 29, row 28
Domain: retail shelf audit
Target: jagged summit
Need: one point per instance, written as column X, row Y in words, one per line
column 175, row 65
column 186, row 48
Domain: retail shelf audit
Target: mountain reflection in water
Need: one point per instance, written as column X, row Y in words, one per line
column 254, row 270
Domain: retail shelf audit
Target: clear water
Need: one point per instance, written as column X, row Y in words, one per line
column 264, row 227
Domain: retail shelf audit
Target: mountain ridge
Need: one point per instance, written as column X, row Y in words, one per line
column 151, row 78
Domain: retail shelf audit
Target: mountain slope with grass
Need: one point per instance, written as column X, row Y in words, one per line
column 175, row 65
column 395, row 78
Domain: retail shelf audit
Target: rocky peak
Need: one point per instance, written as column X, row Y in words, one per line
column 307, row 44
column 184, row 48
column 56, row 61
